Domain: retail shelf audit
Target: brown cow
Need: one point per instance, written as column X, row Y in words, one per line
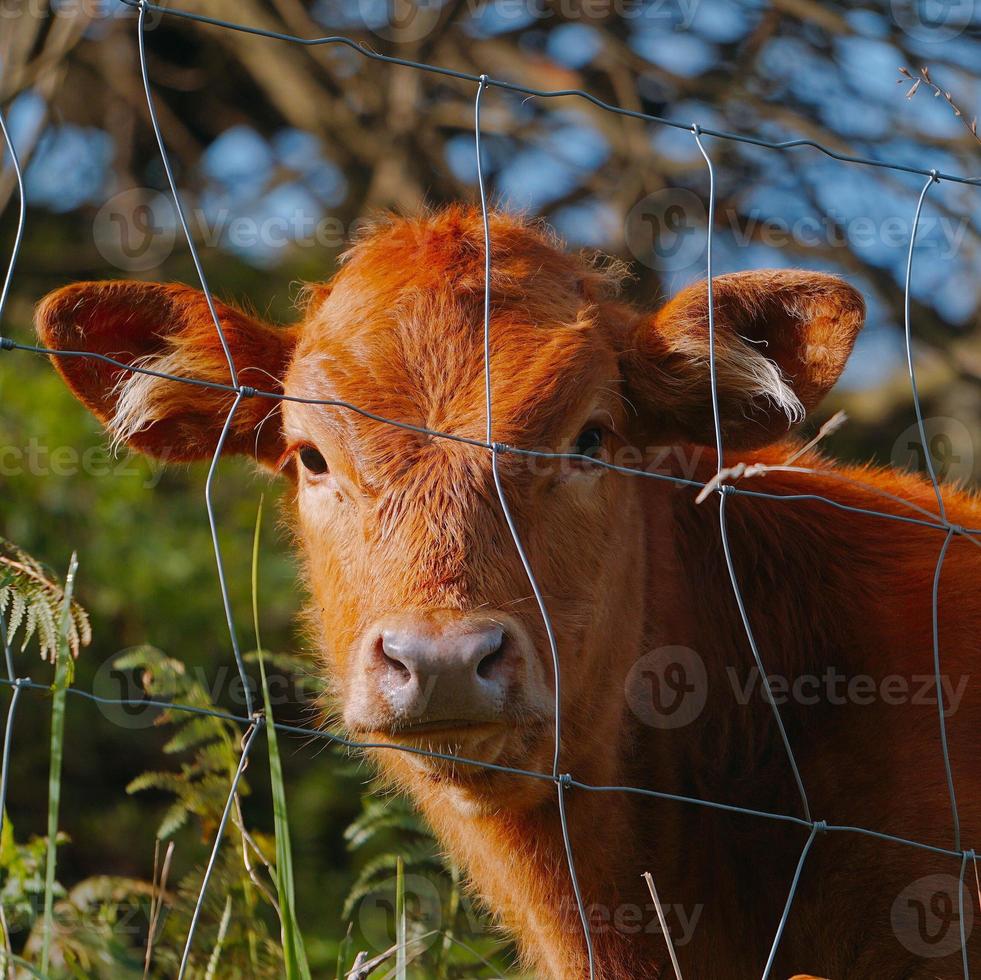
column 429, row 631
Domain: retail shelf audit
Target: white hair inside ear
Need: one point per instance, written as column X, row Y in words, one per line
column 761, row 379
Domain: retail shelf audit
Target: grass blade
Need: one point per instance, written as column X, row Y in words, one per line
column 64, row 671
column 401, row 953
column 294, row 952
column 214, row 959
column 344, row 952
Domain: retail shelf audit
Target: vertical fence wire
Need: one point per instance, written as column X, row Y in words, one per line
column 209, row 482
column 771, row 959
column 199, row 268
column 255, row 721
column 219, row 562
column 21, row 216
column 938, row 681
column 561, row 783
column 178, row 205
column 663, row 923
column 247, row 740
column 710, row 299
column 928, row 463
column 8, row 741
column 724, row 492
column 911, row 367
column 968, row 856
column 8, row 656
column 5, row 637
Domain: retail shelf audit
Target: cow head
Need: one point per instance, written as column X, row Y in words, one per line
column 420, row 604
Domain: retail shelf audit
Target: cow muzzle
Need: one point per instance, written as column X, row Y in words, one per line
column 424, row 674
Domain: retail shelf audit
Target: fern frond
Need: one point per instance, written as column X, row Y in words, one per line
column 363, row 830
column 175, row 818
column 31, row 600
column 380, row 871
column 198, row 730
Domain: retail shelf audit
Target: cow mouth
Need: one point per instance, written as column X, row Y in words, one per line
column 448, row 725
column 481, row 741
column 465, row 755
column 453, row 730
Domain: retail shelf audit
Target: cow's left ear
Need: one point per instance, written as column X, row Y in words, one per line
column 782, row 338
column 168, row 329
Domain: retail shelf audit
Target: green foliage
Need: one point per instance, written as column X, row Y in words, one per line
column 31, row 600
column 372, row 833
column 294, row 952
column 92, row 931
column 401, row 924
column 307, row 683
column 63, row 678
column 408, row 892
column 200, row 786
column 233, row 938
column 22, row 867
column 145, row 548
column 405, row 914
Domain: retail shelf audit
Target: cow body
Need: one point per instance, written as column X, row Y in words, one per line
column 837, row 600
column 428, row 627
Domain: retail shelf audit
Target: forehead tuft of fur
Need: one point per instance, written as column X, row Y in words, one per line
column 528, row 259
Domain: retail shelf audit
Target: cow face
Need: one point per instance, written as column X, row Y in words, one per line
column 421, row 606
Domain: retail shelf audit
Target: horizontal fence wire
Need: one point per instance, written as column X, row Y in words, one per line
column 254, row 721
column 970, row 533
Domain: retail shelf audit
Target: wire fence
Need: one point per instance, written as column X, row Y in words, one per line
column 253, row 721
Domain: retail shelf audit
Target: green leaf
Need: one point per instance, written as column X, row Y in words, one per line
column 175, row 818
column 172, row 782
column 363, row 830
column 226, row 918
column 198, row 730
column 294, row 951
column 63, row 678
column 35, row 603
column 401, row 958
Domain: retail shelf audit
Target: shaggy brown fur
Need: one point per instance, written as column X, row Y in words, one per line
column 628, row 566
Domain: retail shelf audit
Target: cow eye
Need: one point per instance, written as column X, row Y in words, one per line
column 313, row 460
column 589, row 442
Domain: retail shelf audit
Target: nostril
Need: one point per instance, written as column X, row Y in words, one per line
column 387, row 647
column 489, row 665
column 397, row 666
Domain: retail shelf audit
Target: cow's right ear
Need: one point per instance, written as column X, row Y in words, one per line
column 782, row 339
column 167, row 329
